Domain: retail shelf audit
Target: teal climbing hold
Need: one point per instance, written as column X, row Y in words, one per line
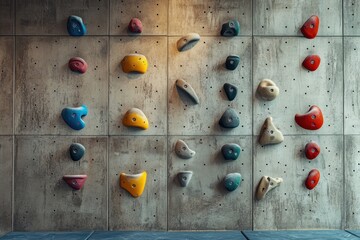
column 229, row 119
column 232, row 181
column 232, row 62
column 77, row 151
column 184, row 177
column 230, row 91
column 230, row 28
column 73, row 117
column 231, row 151
column 75, row 26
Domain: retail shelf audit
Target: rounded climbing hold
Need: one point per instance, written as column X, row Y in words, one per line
column 312, row 120
column 232, row 62
column 134, row 63
column 312, row 179
column 77, row 64
column 73, row 116
column 135, row 118
column 312, row 150
column 232, row 181
column 187, row 42
column 133, row 183
column 267, row 90
column 311, row 27
column 311, row 62
column 231, row 151
column 183, row 150
column 135, row 25
column 229, row 119
column 75, row 181
column 230, row 91
column 265, row 185
column 186, row 88
column 269, row 133
column 230, row 28
column 75, row 26
column 184, row 178
column 77, row 151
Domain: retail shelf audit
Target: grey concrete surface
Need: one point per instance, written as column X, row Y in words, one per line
column 351, row 17
column 7, row 17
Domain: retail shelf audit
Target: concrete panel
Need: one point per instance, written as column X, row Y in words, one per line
column 144, row 91
column 133, row 155
column 153, row 15
column 43, row 201
column 207, row 17
column 203, row 68
column 351, row 10
column 7, row 17
column 42, row 17
column 292, row 205
column 280, row 59
column 6, row 169
column 6, row 81
column 277, row 17
column 205, row 204
column 45, row 85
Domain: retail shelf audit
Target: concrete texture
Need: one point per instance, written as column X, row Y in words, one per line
column 7, row 17
column 6, row 169
column 351, row 17
column 299, row 235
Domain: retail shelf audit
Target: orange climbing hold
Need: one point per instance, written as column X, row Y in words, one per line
column 136, row 118
column 133, row 183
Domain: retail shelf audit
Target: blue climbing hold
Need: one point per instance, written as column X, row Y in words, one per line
column 75, row 26
column 232, row 181
column 73, row 116
column 231, row 151
column 77, row 151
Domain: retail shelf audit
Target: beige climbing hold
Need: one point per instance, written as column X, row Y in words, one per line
column 187, row 42
column 265, row 185
column 183, row 150
column 269, row 133
column 267, row 90
column 186, row 88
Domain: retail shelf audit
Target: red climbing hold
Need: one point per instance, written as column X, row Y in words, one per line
column 135, row 26
column 312, row 120
column 75, row 181
column 311, row 27
column 312, row 150
column 311, row 62
column 77, row 64
column 313, row 179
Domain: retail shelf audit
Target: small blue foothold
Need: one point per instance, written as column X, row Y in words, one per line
column 232, row 181
column 75, row 26
column 73, row 116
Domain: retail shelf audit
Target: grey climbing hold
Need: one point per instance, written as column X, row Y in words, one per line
column 187, row 42
column 232, row 62
column 265, row 185
column 183, row 151
column 184, row 177
column 77, row 151
column 231, row 28
column 230, row 91
column 231, row 151
column 229, row 119
column 267, row 90
column 232, row 181
column 269, row 133
column 186, row 88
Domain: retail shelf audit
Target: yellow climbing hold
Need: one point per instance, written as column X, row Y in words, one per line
column 136, row 118
column 134, row 63
column 133, row 183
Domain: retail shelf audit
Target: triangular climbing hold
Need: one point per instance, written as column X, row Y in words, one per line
column 75, row 181
column 232, row 62
column 184, row 177
column 232, row 181
column 265, row 185
column 185, row 87
column 135, row 25
column 187, row 42
column 312, row 150
column 230, row 91
column 183, row 150
column 135, row 118
column 75, row 26
column 312, row 179
column 133, row 183
column 311, row 27
column 311, row 62
column 269, row 133
column 77, row 64
column 231, row 151
column 77, row 151
column 229, row 119
column 73, row 116
column 134, row 63
column 230, row 28
column 312, row 120
column 267, row 90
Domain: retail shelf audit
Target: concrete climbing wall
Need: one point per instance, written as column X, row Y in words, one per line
column 36, row 85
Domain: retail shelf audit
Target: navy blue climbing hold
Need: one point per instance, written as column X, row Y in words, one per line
column 232, row 181
column 75, row 26
column 229, row 119
column 230, row 91
column 232, row 62
column 77, row 151
column 73, row 117
column 230, row 28
column 231, row 151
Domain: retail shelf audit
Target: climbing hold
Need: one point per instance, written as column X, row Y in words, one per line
column 312, row 120
column 134, row 63
column 133, row 183
column 77, row 151
column 230, row 91
column 75, row 181
column 267, row 90
column 232, row 62
column 183, row 151
column 135, row 25
column 311, row 62
column 230, row 28
column 232, row 181
column 75, row 26
column 312, row 150
column 231, row 151
column 269, row 133
column 184, row 177
column 73, row 116
column 229, row 119
column 187, row 42
column 186, row 88
column 77, row 64
column 265, row 185
column 311, row 27
column 135, row 118
column 312, row 179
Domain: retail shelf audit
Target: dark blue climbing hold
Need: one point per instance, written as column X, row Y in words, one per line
column 77, row 151
column 73, row 117
column 232, row 62
column 232, row 181
column 231, row 151
column 231, row 28
column 229, row 119
column 75, row 26
column 230, row 91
